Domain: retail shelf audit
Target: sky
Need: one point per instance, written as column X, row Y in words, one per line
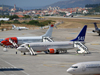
column 28, row 3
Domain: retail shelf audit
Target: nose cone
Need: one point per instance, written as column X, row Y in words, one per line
column 68, row 70
column 19, row 48
column 22, row 49
column 3, row 42
column 71, row 71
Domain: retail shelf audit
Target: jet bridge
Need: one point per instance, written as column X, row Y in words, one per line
column 82, row 48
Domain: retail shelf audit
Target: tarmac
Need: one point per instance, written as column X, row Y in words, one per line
column 47, row 64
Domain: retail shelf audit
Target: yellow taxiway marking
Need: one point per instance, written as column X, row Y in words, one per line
column 23, row 33
column 47, row 65
column 95, row 44
column 60, row 65
column 69, row 37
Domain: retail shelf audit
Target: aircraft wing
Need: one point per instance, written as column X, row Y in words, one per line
column 52, row 50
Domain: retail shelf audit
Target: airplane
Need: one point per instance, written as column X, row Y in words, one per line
column 19, row 28
column 96, row 29
column 68, row 15
column 52, row 47
column 20, row 40
column 1, row 41
column 85, row 68
column 4, row 19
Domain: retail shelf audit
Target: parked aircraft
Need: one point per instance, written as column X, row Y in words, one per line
column 1, row 41
column 19, row 28
column 68, row 15
column 96, row 29
column 85, row 68
column 4, row 19
column 52, row 47
column 20, row 40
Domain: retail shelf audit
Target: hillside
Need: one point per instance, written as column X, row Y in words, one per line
column 73, row 3
column 96, row 9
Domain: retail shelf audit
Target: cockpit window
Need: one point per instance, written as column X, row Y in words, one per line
column 22, row 46
column 74, row 66
column 5, row 40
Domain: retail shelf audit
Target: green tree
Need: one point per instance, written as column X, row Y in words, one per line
column 13, row 17
column 33, row 22
column 2, row 22
column 26, row 16
column 16, row 22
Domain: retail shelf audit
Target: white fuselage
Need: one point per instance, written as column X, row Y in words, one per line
column 21, row 28
column 22, row 40
column 44, row 46
column 92, row 67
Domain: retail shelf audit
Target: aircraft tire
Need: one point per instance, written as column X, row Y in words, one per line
column 46, row 52
column 24, row 54
column 57, row 52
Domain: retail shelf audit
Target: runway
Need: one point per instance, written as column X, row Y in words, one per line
column 47, row 64
column 76, row 17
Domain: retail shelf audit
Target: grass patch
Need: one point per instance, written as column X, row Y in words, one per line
column 92, row 16
column 75, row 23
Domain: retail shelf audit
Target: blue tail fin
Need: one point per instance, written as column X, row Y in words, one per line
column 81, row 35
column 95, row 25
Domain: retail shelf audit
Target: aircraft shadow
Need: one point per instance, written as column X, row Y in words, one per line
column 11, row 69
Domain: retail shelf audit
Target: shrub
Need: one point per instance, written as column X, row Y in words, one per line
column 24, row 22
column 12, row 17
column 16, row 22
column 8, row 22
column 2, row 22
column 33, row 22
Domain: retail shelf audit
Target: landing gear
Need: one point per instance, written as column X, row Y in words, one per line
column 16, row 52
column 46, row 52
column 24, row 53
column 57, row 52
column 65, row 51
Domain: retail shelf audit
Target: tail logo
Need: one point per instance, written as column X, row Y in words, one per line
column 81, row 37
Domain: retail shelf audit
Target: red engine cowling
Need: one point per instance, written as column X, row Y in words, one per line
column 52, row 51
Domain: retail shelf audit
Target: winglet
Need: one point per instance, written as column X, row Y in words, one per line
column 52, row 25
column 81, row 36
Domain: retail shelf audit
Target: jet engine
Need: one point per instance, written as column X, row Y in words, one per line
column 52, row 51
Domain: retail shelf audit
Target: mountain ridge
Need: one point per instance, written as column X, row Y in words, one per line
column 73, row 3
